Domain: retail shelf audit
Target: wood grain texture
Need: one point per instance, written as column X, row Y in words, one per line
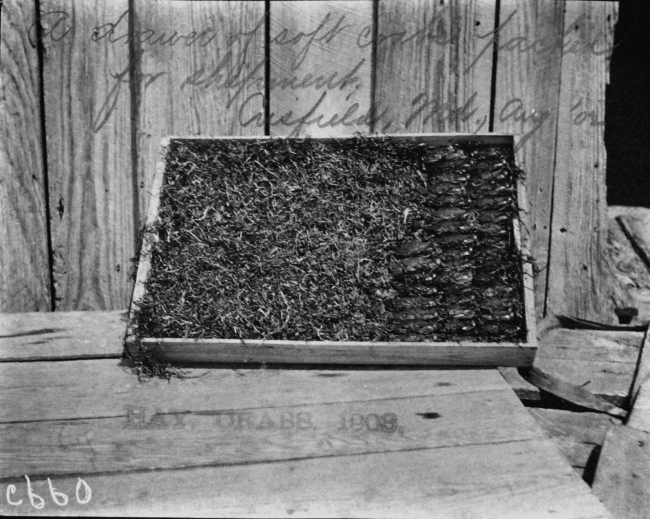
column 24, row 263
column 434, row 66
column 571, row 393
column 200, row 71
column 578, row 283
column 89, row 165
column 628, row 266
column 336, row 448
column 527, row 92
column 526, row 479
column 63, row 335
column 32, row 391
column 637, row 229
column 149, row 438
column 640, row 415
column 320, row 77
column 577, row 435
column 213, row 351
column 603, row 362
column 622, row 480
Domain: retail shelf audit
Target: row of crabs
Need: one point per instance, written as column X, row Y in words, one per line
column 452, row 278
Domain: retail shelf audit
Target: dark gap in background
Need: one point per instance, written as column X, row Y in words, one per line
column 267, row 68
column 135, row 69
column 495, row 62
column 373, row 68
column 40, row 52
column 627, row 108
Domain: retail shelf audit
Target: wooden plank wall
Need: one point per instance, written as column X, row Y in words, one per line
column 116, row 77
column 579, row 220
column 24, row 264
column 88, row 162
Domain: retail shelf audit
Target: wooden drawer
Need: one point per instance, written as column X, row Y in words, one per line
column 396, row 353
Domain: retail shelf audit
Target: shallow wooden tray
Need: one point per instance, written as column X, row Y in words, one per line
column 237, row 351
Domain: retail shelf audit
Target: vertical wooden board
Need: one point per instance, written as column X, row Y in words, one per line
column 24, row 264
column 529, row 62
column 321, row 54
column 87, row 120
column 434, row 66
column 200, row 72
column 577, row 282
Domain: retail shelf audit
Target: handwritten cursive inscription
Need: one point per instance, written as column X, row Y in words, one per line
column 514, row 110
column 237, row 73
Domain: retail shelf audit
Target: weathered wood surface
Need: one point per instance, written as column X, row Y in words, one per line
column 32, row 391
column 434, row 66
column 629, row 243
column 578, row 283
column 526, row 101
column 569, row 393
column 640, row 415
column 444, row 449
column 61, row 335
column 320, row 77
column 211, row 351
column 24, row 263
column 479, row 481
column 622, row 480
column 89, row 165
column 577, row 435
column 200, row 71
column 166, row 438
column 628, row 267
column 602, row 362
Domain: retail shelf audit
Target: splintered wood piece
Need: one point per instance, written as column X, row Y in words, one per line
column 601, row 362
column 527, row 94
column 568, row 392
column 24, row 264
column 433, row 65
column 320, row 82
column 622, row 480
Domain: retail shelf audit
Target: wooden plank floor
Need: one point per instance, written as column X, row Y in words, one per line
column 602, row 362
column 264, row 442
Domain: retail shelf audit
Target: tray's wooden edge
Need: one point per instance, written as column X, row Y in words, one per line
column 522, row 242
column 334, row 352
column 149, row 237
column 236, row 351
column 440, row 139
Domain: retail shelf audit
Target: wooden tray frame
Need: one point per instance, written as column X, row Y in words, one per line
column 240, row 351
